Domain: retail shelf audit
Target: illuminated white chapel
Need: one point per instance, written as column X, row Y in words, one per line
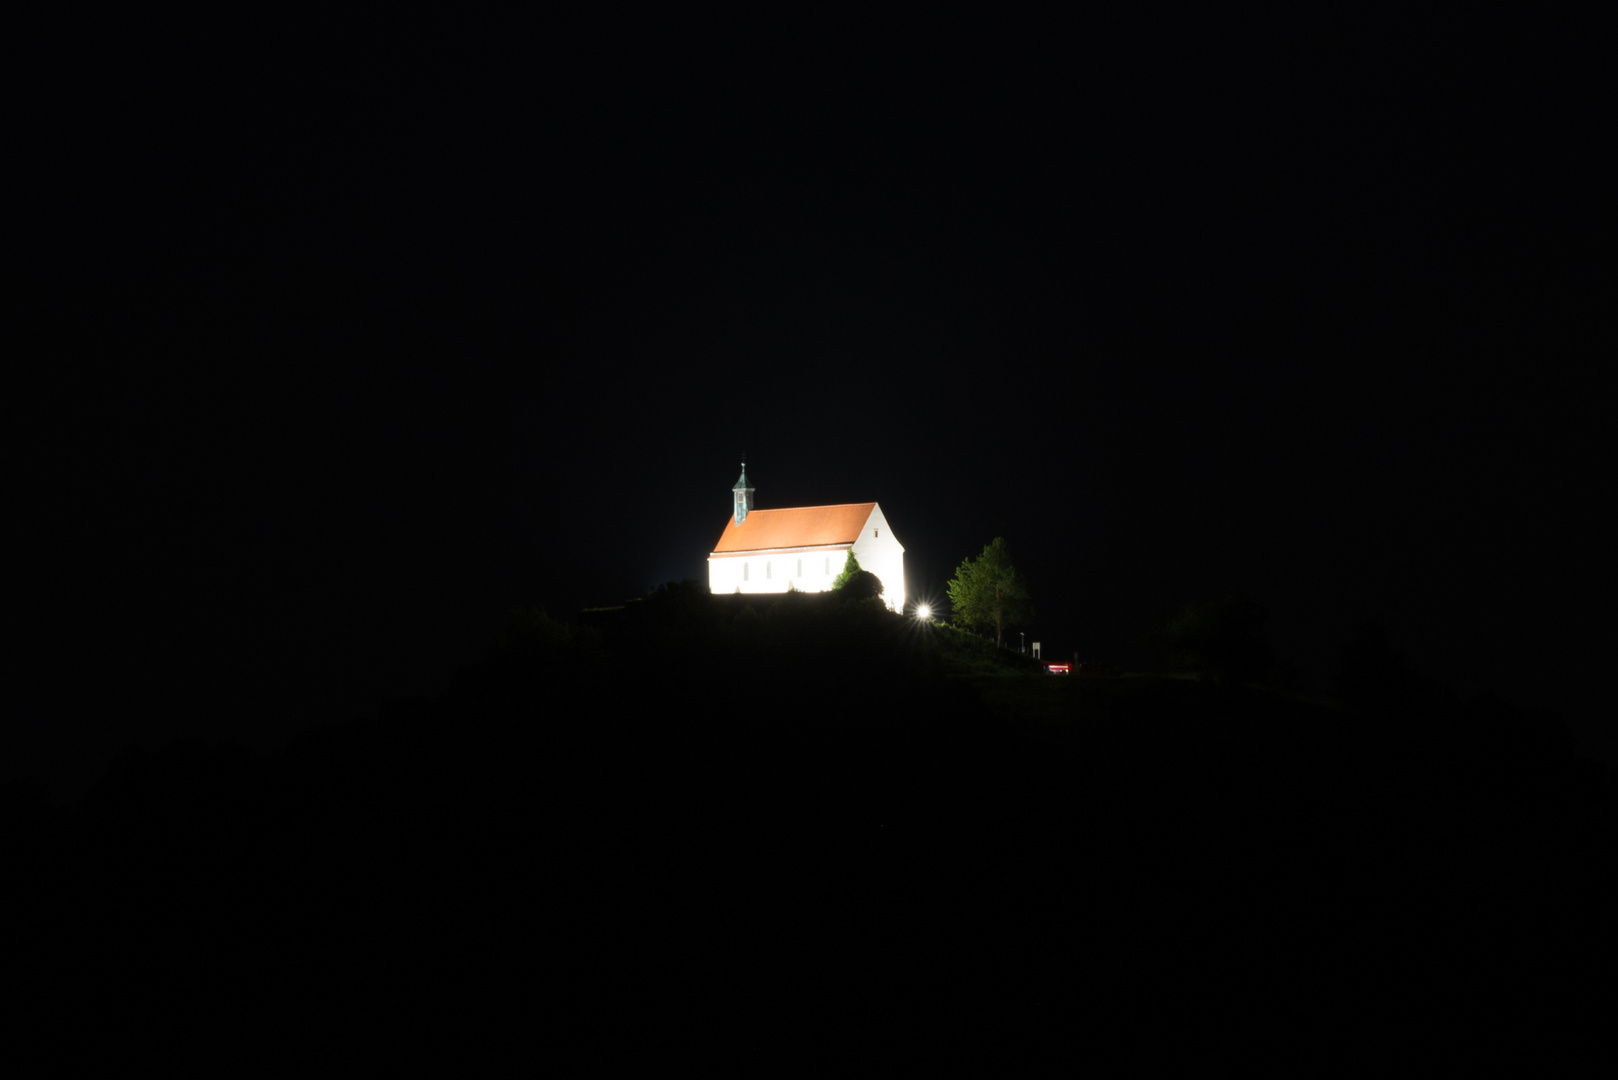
column 803, row 547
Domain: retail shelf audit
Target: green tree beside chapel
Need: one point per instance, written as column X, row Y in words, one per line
column 851, row 566
column 989, row 591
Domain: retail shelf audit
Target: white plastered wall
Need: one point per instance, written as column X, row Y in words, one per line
column 806, row 571
column 880, row 552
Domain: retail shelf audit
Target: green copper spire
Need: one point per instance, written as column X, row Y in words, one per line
column 743, row 494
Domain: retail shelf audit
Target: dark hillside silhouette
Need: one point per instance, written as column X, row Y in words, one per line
column 805, row 799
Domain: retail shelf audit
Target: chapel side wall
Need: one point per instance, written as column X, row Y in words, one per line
column 774, row 573
column 820, row 569
column 740, row 574
column 720, row 575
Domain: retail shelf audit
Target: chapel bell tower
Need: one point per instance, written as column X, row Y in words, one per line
column 743, row 494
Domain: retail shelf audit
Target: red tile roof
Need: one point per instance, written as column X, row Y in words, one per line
column 798, row 527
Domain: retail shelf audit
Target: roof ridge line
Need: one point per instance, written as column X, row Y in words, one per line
column 820, row 506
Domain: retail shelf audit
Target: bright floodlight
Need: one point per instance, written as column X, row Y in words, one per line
column 924, row 611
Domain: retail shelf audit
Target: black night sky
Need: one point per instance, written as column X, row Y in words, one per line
column 338, row 342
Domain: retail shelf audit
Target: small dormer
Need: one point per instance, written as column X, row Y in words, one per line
column 742, row 494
